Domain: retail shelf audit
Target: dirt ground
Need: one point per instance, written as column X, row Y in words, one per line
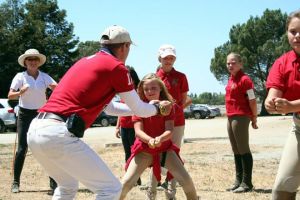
column 210, row 163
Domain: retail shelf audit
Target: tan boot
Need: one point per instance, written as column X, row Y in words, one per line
column 282, row 195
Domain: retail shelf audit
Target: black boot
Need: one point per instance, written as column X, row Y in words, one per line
column 53, row 186
column 246, row 185
column 238, row 172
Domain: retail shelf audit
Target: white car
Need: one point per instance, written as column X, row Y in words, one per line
column 7, row 116
column 214, row 112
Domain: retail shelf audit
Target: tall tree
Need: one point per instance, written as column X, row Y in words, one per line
column 259, row 41
column 87, row 48
column 38, row 24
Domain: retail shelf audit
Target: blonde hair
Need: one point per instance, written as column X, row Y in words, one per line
column 236, row 56
column 295, row 14
column 164, row 94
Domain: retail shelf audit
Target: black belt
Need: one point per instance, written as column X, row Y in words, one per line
column 46, row 115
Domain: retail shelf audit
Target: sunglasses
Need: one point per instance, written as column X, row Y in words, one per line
column 32, row 59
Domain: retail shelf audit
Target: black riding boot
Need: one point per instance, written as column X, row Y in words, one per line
column 238, row 172
column 246, row 185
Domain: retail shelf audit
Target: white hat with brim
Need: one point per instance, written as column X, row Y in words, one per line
column 115, row 35
column 166, row 50
column 31, row 53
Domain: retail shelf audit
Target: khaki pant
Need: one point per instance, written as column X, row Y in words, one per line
column 143, row 160
column 288, row 175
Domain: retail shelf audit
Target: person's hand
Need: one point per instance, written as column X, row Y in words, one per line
column 24, row 88
column 117, row 132
column 151, row 143
column 282, row 106
column 270, row 105
column 254, row 122
column 165, row 107
column 157, row 141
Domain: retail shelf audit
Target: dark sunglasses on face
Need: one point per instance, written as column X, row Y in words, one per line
column 32, row 59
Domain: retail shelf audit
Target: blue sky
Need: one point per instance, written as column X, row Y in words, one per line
column 194, row 27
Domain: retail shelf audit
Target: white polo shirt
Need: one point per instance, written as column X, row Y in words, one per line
column 35, row 96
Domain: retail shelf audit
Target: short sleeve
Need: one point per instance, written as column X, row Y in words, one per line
column 248, row 84
column 121, row 79
column 185, row 85
column 136, row 119
column 48, row 79
column 275, row 77
column 17, row 82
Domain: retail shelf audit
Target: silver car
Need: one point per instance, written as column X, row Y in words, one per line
column 7, row 116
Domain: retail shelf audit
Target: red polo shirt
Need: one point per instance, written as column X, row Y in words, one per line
column 285, row 76
column 236, row 98
column 88, row 86
column 153, row 126
column 176, row 83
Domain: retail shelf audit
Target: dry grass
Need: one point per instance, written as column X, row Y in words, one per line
column 209, row 162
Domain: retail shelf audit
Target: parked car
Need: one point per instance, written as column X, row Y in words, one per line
column 196, row 111
column 105, row 120
column 7, row 116
column 214, row 112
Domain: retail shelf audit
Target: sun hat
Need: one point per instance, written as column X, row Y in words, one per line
column 166, row 50
column 114, row 35
column 31, row 53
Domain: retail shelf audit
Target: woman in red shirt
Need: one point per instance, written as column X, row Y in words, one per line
column 241, row 108
column 153, row 139
column 283, row 86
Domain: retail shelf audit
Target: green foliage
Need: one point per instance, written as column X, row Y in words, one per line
column 208, row 98
column 36, row 24
column 259, row 41
column 87, row 48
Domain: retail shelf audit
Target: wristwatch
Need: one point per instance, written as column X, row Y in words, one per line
column 160, row 109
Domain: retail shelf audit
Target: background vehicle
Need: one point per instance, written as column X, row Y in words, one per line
column 196, row 111
column 105, row 120
column 214, row 112
column 7, row 116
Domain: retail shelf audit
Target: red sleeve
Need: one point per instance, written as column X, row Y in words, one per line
column 136, row 119
column 171, row 116
column 121, row 80
column 248, row 84
column 185, row 85
column 275, row 77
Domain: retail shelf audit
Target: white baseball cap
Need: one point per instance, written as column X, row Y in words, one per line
column 166, row 50
column 114, row 35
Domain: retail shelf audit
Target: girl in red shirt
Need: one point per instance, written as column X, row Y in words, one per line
column 240, row 109
column 283, row 86
column 153, row 138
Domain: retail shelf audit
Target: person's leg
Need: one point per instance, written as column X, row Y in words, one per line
column 136, row 167
column 177, row 137
column 237, row 157
column 23, row 123
column 240, row 127
column 75, row 159
column 175, row 166
column 288, row 176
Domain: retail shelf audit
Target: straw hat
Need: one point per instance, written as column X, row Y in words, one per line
column 31, row 53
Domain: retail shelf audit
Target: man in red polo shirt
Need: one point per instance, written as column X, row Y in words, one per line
column 177, row 85
column 83, row 92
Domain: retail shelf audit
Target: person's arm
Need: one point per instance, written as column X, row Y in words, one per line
column 13, row 94
column 139, row 132
column 52, row 86
column 269, row 102
column 167, row 134
column 135, row 106
column 188, row 101
column 117, row 131
column 253, row 107
column 284, row 106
